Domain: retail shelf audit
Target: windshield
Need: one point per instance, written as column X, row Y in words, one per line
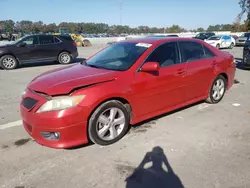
column 200, row 35
column 214, row 38
column 18, row 40
column 245, row 35
column 119, row 56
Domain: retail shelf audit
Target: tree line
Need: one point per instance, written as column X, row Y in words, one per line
column 27, row 26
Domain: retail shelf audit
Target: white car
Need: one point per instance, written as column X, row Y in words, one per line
column 222, row 41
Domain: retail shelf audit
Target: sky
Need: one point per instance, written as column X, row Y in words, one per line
column 189, row 14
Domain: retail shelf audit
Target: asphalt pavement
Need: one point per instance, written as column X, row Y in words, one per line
column 203, row 146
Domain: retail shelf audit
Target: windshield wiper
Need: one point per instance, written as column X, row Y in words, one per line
column 94, row 66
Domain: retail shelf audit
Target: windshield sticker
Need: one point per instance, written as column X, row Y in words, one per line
column 146, row 45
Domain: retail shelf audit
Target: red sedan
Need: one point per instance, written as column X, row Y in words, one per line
column 125, row 83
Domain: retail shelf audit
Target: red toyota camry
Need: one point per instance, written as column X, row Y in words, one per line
column 125, row 83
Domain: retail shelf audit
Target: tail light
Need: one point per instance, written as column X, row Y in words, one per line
column 74, row 44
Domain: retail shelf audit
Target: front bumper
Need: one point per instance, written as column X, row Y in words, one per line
column 71, row 124
column 240, row 43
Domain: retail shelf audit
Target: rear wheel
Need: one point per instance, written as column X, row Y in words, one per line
column 217, row 90
column 8, row 62
column 109, row 123
column 64, row 58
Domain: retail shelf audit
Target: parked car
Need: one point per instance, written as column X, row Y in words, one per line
column 246, row 54
column 235, row 37
column 242, row 39
column 203, row 36
column 38, row 48
column 125, row 83
column 221, row 41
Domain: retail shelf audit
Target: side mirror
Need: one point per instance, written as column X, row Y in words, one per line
column 21, row 45
column 150, row 67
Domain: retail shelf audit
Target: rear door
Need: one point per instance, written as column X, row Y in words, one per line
column 48, row 47
column 200, row 62
column 229, row 41
column 166, row 88
column 224, row 42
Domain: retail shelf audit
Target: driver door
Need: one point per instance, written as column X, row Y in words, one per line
column 27, row 49
column 160, row 90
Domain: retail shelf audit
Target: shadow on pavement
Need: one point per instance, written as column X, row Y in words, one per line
column 40, row 64
column 154, row 176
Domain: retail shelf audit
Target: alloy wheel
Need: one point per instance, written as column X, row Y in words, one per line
column 110, row 124
column 65, row 58
column 218, row 89
column 9, row 62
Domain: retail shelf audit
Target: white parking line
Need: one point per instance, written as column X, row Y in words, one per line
column 11, row 124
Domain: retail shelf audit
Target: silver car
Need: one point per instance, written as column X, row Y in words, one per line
column 242, row 39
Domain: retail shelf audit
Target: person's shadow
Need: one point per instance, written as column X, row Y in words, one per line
column 154, row 176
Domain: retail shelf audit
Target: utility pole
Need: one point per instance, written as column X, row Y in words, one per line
column 120, row 7
column 248, row 14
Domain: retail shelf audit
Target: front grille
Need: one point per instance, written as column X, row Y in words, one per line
column 29, row 103
column 241, row 41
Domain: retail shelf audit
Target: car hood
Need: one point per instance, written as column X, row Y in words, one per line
column 64, row 80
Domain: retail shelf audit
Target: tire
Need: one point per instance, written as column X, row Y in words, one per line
column 106, row 137
column 8, row 62
column 218, row 46
column 86, row 43
column 220, row 89
column 231, row 46
column 64, row 58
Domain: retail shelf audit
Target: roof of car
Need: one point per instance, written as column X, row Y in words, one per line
column 155, row 40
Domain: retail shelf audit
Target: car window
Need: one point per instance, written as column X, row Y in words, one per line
column 46, row 39
column 191, row 51
column 208, row 53
column 56, row 40
column 166, row 55
column 32, row 40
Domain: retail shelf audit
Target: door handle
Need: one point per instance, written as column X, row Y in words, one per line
column 214, row 63
column 180, row 71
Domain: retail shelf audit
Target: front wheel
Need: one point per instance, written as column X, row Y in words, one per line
column 217, row 90
column 109, row 123
column 231, row 45
column 218, row 46
column 8, row 62
column 64, row 58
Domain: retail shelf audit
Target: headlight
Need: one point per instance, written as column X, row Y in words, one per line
column 60, row 103
column 23, row 93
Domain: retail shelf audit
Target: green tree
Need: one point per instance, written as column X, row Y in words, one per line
column 200, row 29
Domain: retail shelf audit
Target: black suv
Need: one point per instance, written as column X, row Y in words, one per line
column 203, row 36
column 38, row 48
column 246, row 54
